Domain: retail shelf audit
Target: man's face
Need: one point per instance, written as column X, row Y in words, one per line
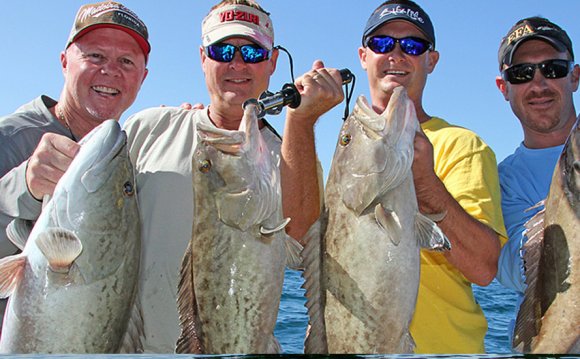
column 396, row 68
column 231, row 83
column 542, row 105
column 103, row 71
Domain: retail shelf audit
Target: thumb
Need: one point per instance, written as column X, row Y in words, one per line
column 318, row 64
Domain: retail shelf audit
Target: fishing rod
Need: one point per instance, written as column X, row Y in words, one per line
column 272, row 103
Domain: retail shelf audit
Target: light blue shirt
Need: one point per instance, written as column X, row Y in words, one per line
column 524, row 178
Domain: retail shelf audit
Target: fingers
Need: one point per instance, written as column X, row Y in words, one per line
column 320, row 90
column 48, row 162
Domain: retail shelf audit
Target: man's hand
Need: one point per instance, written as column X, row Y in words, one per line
column 428, row 186
column 320, row 90
column 47, row 164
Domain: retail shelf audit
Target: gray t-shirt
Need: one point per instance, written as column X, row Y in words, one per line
column 20, row 133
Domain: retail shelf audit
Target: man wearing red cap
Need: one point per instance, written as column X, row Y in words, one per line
column 104, row 65
column 238, row 57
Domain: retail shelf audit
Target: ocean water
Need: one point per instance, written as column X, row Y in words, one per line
column 497, row 303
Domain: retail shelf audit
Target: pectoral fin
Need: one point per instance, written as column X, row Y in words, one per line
column 60, row 247
column 11, row 268
column 430, row 235
column 389, row 222
column 294, row 250
column 281, row 226
column 18, row 232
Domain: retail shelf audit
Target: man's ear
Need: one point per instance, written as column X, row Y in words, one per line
column 362, row 56
column 502, row 87
column 433, row 60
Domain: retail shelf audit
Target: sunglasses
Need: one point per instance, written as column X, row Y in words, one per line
column 551, row 69
column 251, row 54
column 410, row 45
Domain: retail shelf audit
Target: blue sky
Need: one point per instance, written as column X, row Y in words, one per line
column 461, row 90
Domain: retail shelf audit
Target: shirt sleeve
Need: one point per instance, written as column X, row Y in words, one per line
column 468, row 169
column 15, row 202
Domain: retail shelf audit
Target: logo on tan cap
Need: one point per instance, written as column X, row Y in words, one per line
column 238, row 21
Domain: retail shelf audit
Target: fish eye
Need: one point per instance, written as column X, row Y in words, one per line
column 204, row 166
column 345, row 139
column 128, row 189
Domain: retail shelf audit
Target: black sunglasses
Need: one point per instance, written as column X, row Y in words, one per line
column 414, row 46
column 551, row 69
column 251, row 53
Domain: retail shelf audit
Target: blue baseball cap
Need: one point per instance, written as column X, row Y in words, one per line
column 400, row 10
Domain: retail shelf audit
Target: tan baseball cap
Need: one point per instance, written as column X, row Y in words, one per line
column 238, row 21
column 110, row 14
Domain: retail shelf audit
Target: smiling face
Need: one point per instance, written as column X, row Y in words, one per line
column 103, row 71
column 544, row 107
column 396, row 68
column 231, row 83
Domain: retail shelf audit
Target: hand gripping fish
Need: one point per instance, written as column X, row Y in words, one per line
column 362, row 281
column 233, row 269
column 549, row 317
column 72, row 289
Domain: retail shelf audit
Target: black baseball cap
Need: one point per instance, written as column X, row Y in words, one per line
column 400, row 10
column 532, row 28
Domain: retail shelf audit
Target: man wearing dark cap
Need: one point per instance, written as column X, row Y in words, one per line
column 104, row 65
column 238, row 57
column 455, row 174
column 538, row 78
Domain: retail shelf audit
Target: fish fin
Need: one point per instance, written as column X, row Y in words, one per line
column 407, row 344
column 315, row 341
column 436, row 217
column 281, row 226
column 529, row 316
column 293, row 251
column 274, row 346
column 11, row 269
column 60, row 247
column 389, row 222
column 189, row 340
column 135, row 333
column 429, row 235
column 18, row 232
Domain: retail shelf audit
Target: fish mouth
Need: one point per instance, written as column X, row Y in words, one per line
column 99, row 149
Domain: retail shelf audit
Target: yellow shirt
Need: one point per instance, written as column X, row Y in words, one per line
column 447, row 317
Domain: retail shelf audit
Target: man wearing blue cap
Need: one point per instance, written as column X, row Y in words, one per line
column 455, row 174
column 543, row 102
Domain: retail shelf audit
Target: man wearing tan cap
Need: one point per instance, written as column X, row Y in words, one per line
column 104, row 65
column 238, row 57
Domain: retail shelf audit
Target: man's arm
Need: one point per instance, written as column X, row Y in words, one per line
column 475, row 246
column 320, row 90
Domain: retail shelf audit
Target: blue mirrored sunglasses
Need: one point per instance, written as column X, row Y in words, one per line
column 251, row 53
column 414, row 46
column 550, row 69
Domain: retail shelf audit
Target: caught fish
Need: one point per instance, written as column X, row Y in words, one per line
column 72, row 289
column 549, row 317
column 362, row 281
column 233, row 269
